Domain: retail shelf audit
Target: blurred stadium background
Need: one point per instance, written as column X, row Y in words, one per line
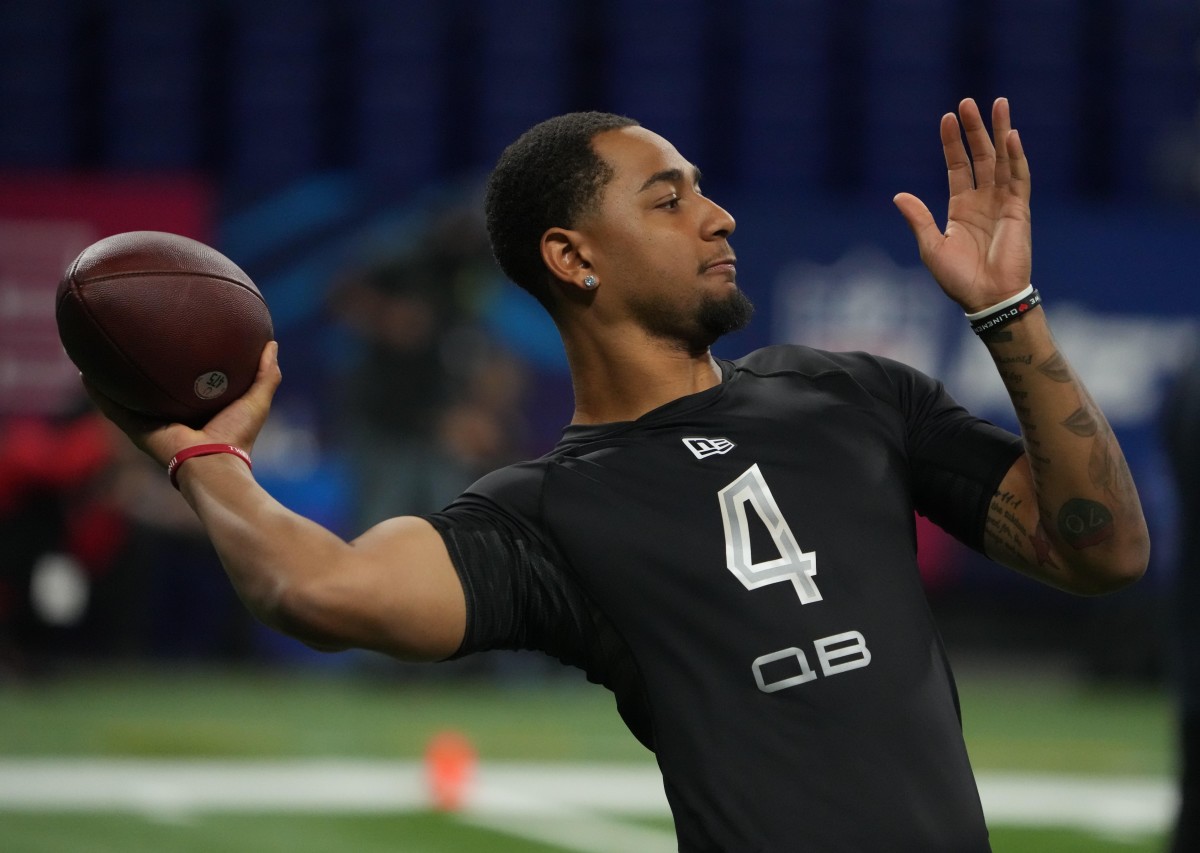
column 335, row 150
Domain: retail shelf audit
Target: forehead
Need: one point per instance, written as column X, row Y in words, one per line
column 636, row 154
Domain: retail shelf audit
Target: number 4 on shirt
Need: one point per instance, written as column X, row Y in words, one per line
column 835, row 654
column 792, row 564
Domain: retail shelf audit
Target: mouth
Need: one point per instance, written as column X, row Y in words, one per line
column 725, row 264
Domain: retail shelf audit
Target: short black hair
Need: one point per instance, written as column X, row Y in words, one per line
column 545, row 179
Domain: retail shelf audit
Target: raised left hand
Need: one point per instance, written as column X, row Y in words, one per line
column 985, row 254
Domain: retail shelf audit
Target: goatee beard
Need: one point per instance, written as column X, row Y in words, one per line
column 719, row 317
column 697, row 330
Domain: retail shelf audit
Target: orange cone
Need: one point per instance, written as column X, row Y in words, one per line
column 450, row 762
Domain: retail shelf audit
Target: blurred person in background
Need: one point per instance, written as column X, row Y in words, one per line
column 57, row 533
column 670, row 542
column 431, row 402
column 164, row 597
column 98, row 557
column 61, row 536
column 1182, row 437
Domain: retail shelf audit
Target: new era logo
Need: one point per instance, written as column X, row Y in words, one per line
column 703, row 447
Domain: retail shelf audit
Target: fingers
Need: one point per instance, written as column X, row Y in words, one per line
column 995, row 160
column 127, row 420
column 156, row 438
column 958, row 165
column 255, row 404
column 983, row 154
column 240, row 422
column 1018, row 165
column 1012, row 168
column 1001, row 127
column 267, row 380
column 268, row 364
column 921, row 221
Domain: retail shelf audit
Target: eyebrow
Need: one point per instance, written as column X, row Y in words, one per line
column 672, row 176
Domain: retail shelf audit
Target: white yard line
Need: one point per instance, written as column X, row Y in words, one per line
column 577, row 807
column 1100, row 804
column 580, row 832
column 151, row 785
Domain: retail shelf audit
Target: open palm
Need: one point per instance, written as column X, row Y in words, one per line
column 985, row 254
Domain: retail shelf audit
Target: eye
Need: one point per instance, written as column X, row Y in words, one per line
column 670, row 204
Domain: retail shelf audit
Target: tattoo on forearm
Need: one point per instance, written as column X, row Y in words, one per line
column 1082, row 422
column 1083, row 523
column 1039, row 463
column 1105, row 468
column 1033, row 445
column 1056, row 368
column 997, row 336
column 1101, row 462
column 1055, row 460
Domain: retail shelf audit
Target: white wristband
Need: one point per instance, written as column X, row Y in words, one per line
column 1000, row 306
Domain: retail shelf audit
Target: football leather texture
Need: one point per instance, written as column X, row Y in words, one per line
column 162, row 324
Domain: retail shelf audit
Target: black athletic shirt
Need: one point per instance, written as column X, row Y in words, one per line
column 739, row 568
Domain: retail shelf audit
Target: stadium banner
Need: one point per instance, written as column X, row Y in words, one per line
column 45, row 221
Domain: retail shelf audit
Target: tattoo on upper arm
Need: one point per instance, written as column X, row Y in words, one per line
column 1002, row 541
column 1042, row 549
column 1008, row 536
column 1083, row 523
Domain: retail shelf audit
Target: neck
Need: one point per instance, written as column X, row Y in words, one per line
column 623, row 382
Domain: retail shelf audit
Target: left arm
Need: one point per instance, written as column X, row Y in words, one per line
column 1067, row 512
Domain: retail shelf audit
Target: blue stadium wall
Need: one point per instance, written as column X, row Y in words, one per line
column 328, row 127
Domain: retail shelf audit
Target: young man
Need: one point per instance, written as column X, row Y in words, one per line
column 1181, row 434
column 728, row 546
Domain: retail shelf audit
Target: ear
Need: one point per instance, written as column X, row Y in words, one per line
column 565, row 254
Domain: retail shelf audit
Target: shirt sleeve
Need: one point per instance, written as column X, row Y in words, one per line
column 513, row 590
column 518, row 592
column 957, row 460
column 521, row 595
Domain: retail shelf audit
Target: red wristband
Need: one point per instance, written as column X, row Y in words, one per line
column 203, row 450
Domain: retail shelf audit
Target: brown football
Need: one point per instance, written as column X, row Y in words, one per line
column 162, row 324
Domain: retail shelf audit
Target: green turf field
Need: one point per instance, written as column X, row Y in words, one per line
column 419, row 833
column 1013, row 725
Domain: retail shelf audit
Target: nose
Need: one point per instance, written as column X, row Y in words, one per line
column 719, row 224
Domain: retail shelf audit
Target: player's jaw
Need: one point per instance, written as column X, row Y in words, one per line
column 717, row 316
column 693, row 322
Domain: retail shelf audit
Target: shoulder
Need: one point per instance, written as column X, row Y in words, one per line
column 513, row 493
column 883, row 378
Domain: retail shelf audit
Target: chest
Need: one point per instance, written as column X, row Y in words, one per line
column 744, row 513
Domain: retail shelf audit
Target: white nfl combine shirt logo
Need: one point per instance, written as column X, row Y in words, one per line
column 703, row 447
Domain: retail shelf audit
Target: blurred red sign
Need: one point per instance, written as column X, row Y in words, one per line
column 45, row 221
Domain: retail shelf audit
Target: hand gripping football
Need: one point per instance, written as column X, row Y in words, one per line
column 162, row 324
